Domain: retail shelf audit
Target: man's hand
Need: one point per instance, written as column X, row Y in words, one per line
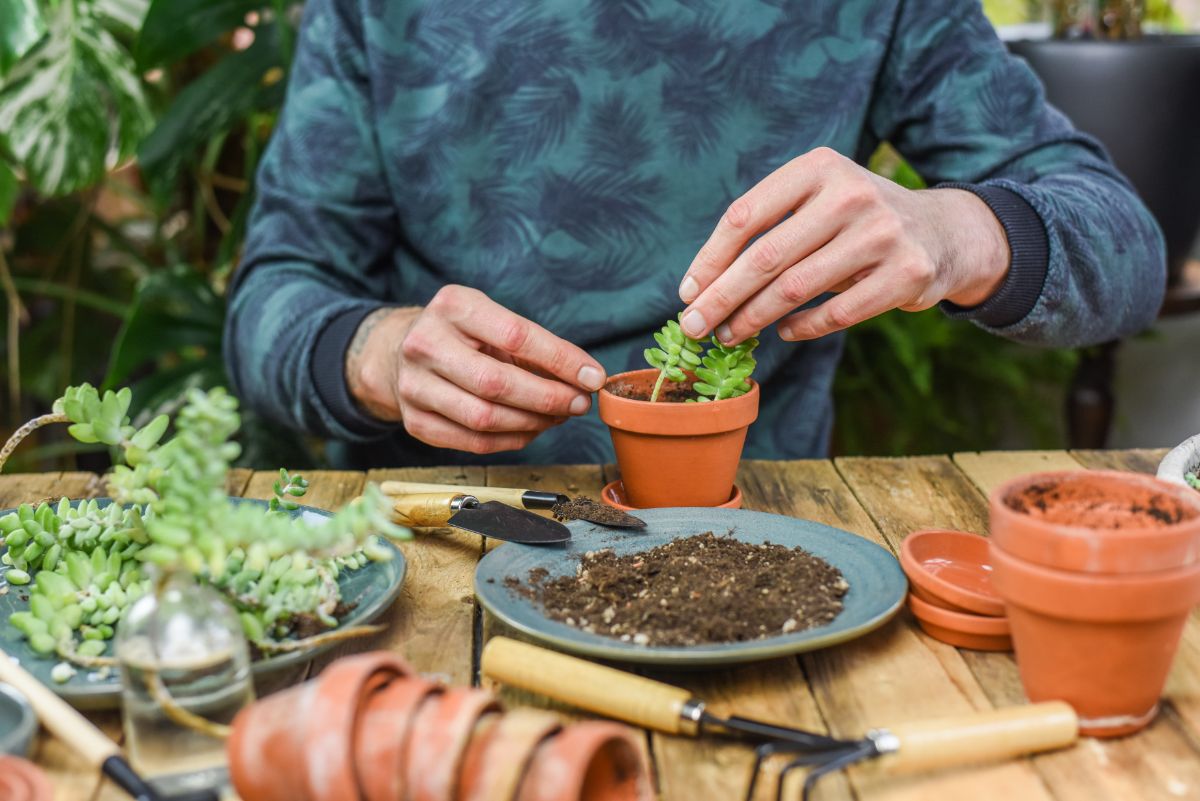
column 827, row 224
column 466, row 373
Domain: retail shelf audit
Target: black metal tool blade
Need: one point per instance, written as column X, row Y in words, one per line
column 502, row 522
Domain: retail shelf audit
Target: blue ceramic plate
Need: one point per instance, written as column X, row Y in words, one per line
column 877, row 585
column 372, row 587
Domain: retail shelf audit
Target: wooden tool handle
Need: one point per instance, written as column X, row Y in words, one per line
column 72, row 728
column 512, row 497
column 982, row 737
column 603, row 690
column 429, row 510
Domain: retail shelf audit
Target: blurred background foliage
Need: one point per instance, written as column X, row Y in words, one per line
column 129, row 135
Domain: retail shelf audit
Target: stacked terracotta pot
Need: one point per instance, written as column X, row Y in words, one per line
column 369, row 729
column 21, row 780
column 1098, row 572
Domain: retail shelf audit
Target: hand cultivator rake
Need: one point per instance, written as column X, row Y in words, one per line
column 981, row 737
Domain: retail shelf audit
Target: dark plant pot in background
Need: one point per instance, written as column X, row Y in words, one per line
column 1141, row 99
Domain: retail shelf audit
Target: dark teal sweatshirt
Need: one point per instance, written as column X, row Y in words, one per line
column 569, row 158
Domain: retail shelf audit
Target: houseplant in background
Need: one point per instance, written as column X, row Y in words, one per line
column 678, row 428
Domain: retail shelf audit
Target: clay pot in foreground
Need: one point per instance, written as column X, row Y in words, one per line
column 676, row 454
column 384, row 732
column 318, row 717
column 442, row 732
column 505, row 758
column 1102, row 643
column 1097, row 522
column 592, row 761
column 21, row 780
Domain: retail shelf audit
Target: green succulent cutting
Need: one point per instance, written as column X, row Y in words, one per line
column 721, row 372
column 85, row 563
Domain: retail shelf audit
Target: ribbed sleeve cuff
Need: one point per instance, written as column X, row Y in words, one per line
column 1030, row 248
column 329, row 374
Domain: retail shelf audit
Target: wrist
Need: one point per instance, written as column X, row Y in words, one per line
column 373, row 360
column 976, row 253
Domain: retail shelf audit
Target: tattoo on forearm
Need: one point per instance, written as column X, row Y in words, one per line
column 364, row 331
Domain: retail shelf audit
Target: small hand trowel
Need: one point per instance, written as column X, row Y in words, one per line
column 526, row 499
column 490, row 518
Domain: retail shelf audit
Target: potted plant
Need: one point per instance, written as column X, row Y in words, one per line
column 179, row 573
column 678, row 427
column 1098, row 571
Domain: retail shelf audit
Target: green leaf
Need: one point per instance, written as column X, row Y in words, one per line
column 21, row 27
column 73, row 107
column 151, row 433
column 10, row 187
column 209, row 106
column 82, row 432
column 176, row 28
column 174, row 310
column 122, row 15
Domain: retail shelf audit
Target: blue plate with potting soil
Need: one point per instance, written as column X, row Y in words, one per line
column 876, row 592
column 371, row 588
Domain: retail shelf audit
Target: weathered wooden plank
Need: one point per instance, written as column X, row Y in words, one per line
column 1155, row 764
column 1138, row 460
column 432, row 623
column 989, row 470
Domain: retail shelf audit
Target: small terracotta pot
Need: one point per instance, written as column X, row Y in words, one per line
column 21, row 780
column 506, row 756
column 441, row 733
column 1104, row 644
column 593, row 761
column 1097, row 521
column 318, row 717
column 383, row 735
column 676, row 454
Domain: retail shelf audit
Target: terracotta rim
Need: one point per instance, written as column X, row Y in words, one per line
column 1096, row 597
column 21, row 780
column 564, row 767
column 920, row 545
column 1096, row 550
column 441, row 733
column 516, row 738
column 613, row 495
column 379, row 760
column 972, row 642
column 986, row 625
column 674, row 419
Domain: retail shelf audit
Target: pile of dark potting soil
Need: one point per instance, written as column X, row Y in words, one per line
column 670, row 392
column 582, row 508
column 701, row 589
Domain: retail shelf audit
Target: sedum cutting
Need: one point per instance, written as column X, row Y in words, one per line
column 85, row 563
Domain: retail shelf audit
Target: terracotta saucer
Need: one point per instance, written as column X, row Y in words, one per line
column 613, row 494
column 951, row 569
column 977, row 632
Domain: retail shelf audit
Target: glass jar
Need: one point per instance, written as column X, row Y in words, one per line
column 185, row 674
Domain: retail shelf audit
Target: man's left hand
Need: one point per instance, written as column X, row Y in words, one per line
column 826, row 224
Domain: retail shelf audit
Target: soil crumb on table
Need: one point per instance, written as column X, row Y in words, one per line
column 699, row 589
column 582, row 508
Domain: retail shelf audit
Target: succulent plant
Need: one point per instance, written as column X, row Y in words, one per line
column 675, row 353
column 87, row 562
column 724, row 371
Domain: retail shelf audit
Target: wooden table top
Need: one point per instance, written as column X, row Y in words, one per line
column 894, row 674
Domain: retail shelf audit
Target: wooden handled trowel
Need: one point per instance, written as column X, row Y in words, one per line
column 561, row 505
column 489, row 519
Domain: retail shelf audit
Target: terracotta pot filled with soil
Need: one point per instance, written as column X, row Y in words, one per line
column 1097, row 522
column 1102, row 643
column 673, row 453
column 692, row 591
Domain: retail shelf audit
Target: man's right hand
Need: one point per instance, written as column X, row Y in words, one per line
column 464, row 372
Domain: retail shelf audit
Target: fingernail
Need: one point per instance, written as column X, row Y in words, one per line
column 693, row 324
column 785, row 332
column 724, row 334
column 590, row 377
column 580, row 404
column 688, row 290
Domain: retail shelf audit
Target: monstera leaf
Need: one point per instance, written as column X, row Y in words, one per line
column 21, row 27
column 73, row 106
